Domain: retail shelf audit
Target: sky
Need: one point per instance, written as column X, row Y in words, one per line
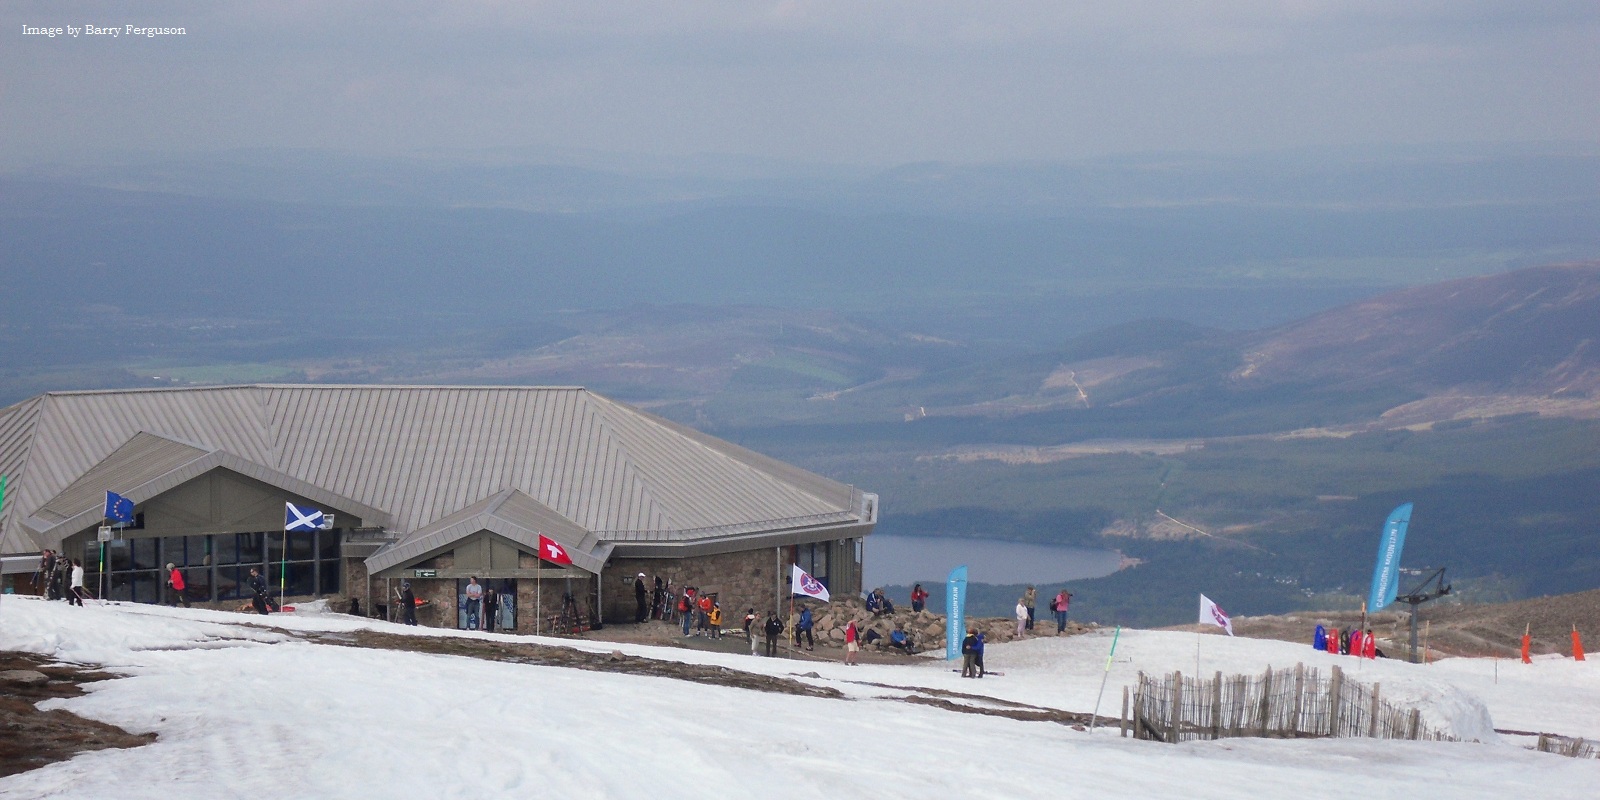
column 242, row 707
column 849, row 83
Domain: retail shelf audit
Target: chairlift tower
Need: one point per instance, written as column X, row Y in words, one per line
column 1420, row 595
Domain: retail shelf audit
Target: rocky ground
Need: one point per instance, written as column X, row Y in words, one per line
column 1452, row 629
column 30, row 738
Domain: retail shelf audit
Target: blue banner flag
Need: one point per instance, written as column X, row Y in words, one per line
column 302, row 518
column 119, row 508
column 955, row 612
column 1386, row 575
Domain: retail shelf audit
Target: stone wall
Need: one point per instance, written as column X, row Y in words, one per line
column 741, row 580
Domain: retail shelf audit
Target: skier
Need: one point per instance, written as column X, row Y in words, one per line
column 180, row 588
column 258, row 585
column 408, row 603
column 76, row 597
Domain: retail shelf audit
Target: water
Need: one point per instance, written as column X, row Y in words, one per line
column 904, row 560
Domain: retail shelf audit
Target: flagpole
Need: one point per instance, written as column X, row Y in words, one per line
column 1096, row 715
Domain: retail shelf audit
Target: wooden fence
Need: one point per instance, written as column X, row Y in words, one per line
column 1565, row 746
column 1297, row 703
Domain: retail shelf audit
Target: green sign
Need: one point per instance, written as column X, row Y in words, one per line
column 424, row 573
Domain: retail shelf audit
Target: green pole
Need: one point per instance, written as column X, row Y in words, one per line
column 283, row 569
column 1096, row 715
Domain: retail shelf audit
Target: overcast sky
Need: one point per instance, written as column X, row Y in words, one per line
column 860, row 82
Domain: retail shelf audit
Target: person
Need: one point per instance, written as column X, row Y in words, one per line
column 852, row 645
column 1063, row 599
column 491, row 603
column 258, row 589
column 686, row 608
column 180, row 588
column 969, row 653
column 714, row 621
column 919, row 598
column 885, row 605
column 77, row 591
column 773, row 629
column 474, row 601
column 658, row 599
column 642, row 612
column 874, row 602
column 355, row 607
column 702, row 615
column 47, row 568
column 803, row 628
column 900, row 640
column 1022, row 616
column 408, row 603
column 978, row 655
column 1030, row 597
column 62, row 576
column 750, row 626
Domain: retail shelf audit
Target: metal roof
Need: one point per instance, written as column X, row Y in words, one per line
column 415, row 454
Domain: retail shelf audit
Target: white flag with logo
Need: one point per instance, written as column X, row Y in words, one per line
column 809, row 586
column 1212, row 614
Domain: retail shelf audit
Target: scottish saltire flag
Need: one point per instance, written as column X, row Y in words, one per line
column 1212, row 614
column 302, row 518
column 1386, row 574
column 119, row 508
column 808, row 586
column 955, row 612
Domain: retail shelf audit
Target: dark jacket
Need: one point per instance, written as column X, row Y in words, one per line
column 970, row 644
column 774, row 625
column 258, row 584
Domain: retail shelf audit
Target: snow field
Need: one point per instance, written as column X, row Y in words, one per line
column 243, row 710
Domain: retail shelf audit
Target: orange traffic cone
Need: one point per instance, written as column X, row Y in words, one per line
column 1577, row 645
column 1526, row 640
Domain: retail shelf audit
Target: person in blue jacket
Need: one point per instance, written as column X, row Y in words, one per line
column 804, row 628
column 977, row 650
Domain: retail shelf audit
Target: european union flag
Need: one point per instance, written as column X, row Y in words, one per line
column 302, row 518
column 119, row 508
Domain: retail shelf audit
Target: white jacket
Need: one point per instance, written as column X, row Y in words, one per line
column 1022, row 612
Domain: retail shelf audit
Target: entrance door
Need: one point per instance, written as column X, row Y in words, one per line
column 503, row 613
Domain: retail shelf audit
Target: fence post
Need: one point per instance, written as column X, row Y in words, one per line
column 1335, row 690
column 1216, row 706
column 1416, row 723
column 1138, row 706
column 1373, row 728
column 1299, row 693
column 1266, row 702
column 1176, row 717
column 1122, row 728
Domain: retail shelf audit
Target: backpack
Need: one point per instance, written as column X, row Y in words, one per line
column 683, row 604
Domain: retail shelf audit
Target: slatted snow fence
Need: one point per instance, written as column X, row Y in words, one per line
column 1287, row 704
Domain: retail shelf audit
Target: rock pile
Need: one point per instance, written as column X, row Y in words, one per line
column 926, row 628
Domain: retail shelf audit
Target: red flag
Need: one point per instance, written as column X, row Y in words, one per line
column 1577, row 645
column 1526, row 640
column 552, row 552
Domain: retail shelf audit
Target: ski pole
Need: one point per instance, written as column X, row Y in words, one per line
column 1096, row 715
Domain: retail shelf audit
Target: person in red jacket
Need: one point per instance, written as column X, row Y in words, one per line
column 179, row 587
column 852, row 644
column 919, row 598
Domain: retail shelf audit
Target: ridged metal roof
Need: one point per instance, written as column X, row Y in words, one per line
column 418, row 453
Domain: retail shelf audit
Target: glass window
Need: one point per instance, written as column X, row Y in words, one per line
column 329, row 576
column 328, row 543
column 301, row 579
column 250, row 546
column 144, row 553
column 230, row 579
